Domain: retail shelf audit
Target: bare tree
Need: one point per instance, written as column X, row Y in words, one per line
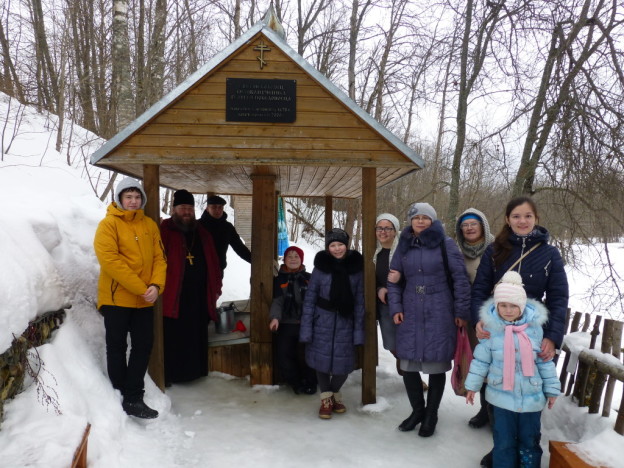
column 474, row 46
column 305, row 21
column 9, row 79
column 358, row 13
column 573, row 43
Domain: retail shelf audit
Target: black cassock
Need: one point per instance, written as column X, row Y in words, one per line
column 186, row 338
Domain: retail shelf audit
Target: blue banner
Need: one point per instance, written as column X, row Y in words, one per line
column 282, row 230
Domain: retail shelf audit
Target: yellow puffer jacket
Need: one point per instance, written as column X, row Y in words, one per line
column 131, row 255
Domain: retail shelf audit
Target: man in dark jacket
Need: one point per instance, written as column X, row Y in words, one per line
column 223, row 232
column 194, row 280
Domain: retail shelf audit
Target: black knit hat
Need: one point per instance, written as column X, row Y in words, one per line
column 183, row 197
column 336, row 235
column 216, row 200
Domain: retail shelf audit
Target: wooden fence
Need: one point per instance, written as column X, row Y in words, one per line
column 593, row 369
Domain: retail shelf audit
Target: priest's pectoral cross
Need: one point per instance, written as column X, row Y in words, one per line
column 190, row 257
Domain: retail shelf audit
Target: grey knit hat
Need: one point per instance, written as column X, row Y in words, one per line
column 424, row 209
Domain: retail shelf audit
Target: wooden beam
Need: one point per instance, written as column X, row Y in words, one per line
column 151, row 185
column 369, row 210
column 263, row 233
column 329, row 213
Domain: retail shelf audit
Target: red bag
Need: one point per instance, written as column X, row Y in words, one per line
column 462, row 360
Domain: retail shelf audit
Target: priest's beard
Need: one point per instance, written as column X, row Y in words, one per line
column 184, row 223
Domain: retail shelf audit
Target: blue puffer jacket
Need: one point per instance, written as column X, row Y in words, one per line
column 428, row 332
column 331, row 337
column 529, row 393
column 542, row 274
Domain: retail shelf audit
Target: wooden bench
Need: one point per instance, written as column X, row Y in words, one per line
column 562, row 457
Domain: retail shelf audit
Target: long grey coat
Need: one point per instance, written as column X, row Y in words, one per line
column 330, row 337
column 428, row 332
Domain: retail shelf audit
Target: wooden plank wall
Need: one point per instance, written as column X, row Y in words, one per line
column 242, row 217
column 230, row 359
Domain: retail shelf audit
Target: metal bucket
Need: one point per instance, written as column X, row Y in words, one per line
column 225, row 319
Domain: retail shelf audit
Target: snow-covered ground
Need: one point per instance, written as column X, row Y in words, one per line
column 48, row 218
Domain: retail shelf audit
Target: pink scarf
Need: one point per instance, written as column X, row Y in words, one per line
column 509, row 355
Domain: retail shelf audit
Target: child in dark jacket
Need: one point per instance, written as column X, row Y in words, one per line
column 289, row 288
column 332, row 323
column 508, row 360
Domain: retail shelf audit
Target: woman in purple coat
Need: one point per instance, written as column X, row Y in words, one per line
column 332, row 322
column 429, row 302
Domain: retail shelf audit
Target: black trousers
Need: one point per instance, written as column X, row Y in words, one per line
column 289, row 355
column 127, row 374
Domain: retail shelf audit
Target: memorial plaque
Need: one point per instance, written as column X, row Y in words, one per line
column 254, row 100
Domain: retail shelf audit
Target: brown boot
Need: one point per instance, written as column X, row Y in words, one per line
column 327, row 406
column 338, row 406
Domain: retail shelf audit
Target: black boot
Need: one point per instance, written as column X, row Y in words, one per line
column 434, row 397
column 139, row 409
column 413, row 386
column 482, row 417
column 487, row 461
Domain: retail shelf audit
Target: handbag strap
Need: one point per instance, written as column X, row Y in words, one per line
column 447, row 270
column 524, row 255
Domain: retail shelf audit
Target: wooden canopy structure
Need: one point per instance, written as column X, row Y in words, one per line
column 258, row 120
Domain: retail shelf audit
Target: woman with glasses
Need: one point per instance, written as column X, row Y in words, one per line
column 473, row 236
column 386, row 229
column 428, row 305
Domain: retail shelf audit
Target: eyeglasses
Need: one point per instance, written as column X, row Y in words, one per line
column 469, row 225
column 384, row 229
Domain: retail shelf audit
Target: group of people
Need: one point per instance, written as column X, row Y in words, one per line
column 510, row 292
column 183, row 260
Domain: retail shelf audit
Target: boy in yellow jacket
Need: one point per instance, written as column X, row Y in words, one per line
column 132, row 275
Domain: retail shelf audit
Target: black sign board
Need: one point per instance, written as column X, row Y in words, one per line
column 253, row 100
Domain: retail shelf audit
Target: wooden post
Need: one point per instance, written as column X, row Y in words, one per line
column 584, row 369
column 263, row 233
column 564, row 372
column 369, row 214
column 601, row 377
column 616, row 345
column 151, row 185
column 619, row 421
column 329, row 213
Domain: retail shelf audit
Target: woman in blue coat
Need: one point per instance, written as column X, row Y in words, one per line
column 332, row 322
column 522, row 246
column 428, row 304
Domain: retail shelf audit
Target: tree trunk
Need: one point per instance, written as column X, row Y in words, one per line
column 466, row 84
column 10, row 83
column 122, row 87
column 156, row 53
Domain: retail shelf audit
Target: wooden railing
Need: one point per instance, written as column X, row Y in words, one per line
column 595, row 369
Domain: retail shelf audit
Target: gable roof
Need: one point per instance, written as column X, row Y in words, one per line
column 321, row 153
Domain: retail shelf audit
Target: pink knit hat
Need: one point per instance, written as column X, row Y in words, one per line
column 510, row 289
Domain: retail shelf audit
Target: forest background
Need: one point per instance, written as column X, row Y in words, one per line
column 499, row 98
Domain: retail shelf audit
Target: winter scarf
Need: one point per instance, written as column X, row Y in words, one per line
column 293, row 290
column 340, row 294
column 509, row 354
